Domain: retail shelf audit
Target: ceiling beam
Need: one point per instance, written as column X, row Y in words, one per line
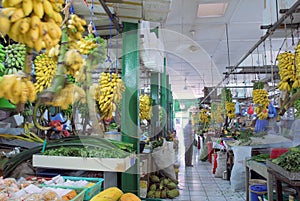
column 112, row 17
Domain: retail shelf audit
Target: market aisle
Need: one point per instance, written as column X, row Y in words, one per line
column 199, row 184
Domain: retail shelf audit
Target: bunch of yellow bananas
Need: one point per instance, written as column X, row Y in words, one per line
column 35, row 23
column 203, row 116
column 86, row 45
column 69, row 95
column 145, row 107
column 230, row 109
column 260, row 97
column 261, row 112
column 17, row 89
column 296, row 83
column 286, row 71
column 109, row 93
column 75, row 27
column 45, row 69
column 73, row 61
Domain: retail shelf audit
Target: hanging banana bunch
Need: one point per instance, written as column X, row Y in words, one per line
column 287, row 72
column 203, row 116
column 109, row 93
column 261, row 100
column 230, row 109
column 216, row 113
column 69, row 95
column 32, row 22
column 145, row 107
column 17, row 89
column 45, row 69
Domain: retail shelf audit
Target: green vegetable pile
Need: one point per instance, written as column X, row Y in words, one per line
column 86, row 152
column 161, row 187
column 290, row 160
column 261, row 158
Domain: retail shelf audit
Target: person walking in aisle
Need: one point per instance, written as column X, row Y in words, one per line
column 188, row 143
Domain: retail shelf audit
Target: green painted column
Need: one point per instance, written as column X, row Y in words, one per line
column 168, row 103
column 130, row 104
column 170, row 108
column 163, row 98
column 154, row 94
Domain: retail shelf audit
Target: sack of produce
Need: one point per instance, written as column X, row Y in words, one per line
column 221, row 161
column 238, row 174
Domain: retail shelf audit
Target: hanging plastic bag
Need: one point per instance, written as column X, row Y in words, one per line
column 272, row 111
column 261, row 125
column 250, row 109
column 237, row 107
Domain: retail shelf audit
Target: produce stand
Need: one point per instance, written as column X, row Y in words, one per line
column 281, row 177
column 261, row 169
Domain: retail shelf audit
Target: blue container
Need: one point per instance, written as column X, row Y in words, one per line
column 256, row 191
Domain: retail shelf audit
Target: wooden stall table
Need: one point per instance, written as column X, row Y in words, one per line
column 279, row 178
column 261, row 169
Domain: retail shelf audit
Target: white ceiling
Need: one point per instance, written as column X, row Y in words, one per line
column 205, row 66
column 198, row 49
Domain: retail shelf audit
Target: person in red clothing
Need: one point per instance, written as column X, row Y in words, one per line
column 188, row 143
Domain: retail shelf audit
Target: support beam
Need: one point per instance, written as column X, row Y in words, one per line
column 163, row 98
column 111, row 16
column 130, row 124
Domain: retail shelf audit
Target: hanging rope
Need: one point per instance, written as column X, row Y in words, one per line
column 272, row 65
column 92, row 20
column 292, row 31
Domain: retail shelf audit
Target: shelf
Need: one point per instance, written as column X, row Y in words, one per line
column 80, row 163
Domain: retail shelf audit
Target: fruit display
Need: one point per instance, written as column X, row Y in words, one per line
column 288, row 78
column 45, row 69
column 109, row 93
column 162, row 187
column 129, row 197
column 145, row 107
column 87, row 44
column 230, row 109
column 17, row 89
column 69, row 95
column 15, row 57
column 32, row 22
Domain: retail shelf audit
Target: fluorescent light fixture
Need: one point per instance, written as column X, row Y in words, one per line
column 212, row 9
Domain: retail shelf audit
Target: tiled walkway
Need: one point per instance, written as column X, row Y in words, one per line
column 199, row 184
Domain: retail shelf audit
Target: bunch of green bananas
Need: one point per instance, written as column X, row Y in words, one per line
column 216, row 113
column 145, row 107
column 15, row 57
column 45, row 69
column 287, row 72
column 230, row 109
column 2, row 58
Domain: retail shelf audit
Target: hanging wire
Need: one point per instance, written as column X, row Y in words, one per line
column 92, row 19
column 272, row 63
column 108, row 59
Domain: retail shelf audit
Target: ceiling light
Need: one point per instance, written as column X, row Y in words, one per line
column 212, row 9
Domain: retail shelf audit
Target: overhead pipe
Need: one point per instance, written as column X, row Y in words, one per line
column 262, row 39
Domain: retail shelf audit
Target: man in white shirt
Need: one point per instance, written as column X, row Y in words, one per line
column 188, row 143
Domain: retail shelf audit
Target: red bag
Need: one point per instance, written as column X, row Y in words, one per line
column 250, row 109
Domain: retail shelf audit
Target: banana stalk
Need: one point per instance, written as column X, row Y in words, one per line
column 59, row 79
column 34, row 117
